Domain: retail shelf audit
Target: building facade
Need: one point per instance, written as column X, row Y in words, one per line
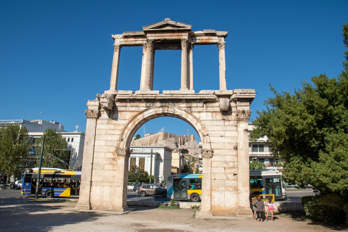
column 155, row 161
column 36, row 129
column 260, row 151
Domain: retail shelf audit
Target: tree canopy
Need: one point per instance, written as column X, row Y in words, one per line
column 14, row 149
column 308, row 129
column 54, row 146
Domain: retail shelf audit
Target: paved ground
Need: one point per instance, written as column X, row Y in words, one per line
column 19, row 214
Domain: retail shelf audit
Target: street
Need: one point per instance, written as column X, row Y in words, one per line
column 22, row 214
column 295, row 195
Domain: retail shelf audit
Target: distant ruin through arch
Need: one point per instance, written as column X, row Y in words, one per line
column 220, row 117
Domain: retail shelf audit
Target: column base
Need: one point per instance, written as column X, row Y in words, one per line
column 83, row 206
column 242, row 211
column 205, row 213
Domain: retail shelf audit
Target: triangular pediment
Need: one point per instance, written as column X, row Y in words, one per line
column 168, row 25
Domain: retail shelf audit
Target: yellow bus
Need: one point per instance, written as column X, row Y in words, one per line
column 267, row 183
column 54, row 182
column 185, row 187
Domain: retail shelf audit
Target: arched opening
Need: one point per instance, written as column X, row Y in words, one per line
column 159, row 154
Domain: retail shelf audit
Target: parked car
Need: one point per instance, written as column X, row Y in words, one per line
column 152, row 189
column 18, row 183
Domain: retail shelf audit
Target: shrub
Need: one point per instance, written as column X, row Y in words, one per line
column 319, row 209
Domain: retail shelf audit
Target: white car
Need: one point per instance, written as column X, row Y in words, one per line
column 18, row 183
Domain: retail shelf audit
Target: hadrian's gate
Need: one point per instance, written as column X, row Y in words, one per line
column 220, row 117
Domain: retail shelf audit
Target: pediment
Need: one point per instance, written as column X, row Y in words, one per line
column 168, row 25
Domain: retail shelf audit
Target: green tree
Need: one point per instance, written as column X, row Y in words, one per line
column 137, row 137
column 308, row 129
column 256, row 165
column 14, row 149
column 55, row 145
column 136, row 175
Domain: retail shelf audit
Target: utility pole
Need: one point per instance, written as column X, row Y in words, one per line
column 39, row 171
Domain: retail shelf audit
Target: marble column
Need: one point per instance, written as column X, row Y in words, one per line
column 191, row 66
column 88, row 156
column 115, row 65
column 147, row 67
column 222, row 65
column 184, row 64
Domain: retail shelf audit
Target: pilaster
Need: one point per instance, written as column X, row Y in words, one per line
column 92, row 115
column 122, row 170
column 206, row 205
column 243, row 161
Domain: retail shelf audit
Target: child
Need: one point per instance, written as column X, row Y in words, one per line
column 253, row 207
column 270, row 208
column 260, row 207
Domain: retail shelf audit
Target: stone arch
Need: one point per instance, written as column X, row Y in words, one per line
column 220, row 117
column 146, row 115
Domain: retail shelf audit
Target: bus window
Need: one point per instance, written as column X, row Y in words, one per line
column 256, row 182
column 195, row 183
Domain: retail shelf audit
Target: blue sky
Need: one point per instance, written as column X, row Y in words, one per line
column 56, row 55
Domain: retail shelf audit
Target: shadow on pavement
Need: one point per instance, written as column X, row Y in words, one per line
column 18, row 214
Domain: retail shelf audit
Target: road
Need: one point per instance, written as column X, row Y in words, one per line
column 59, row 215
column 132, row 196
column 295, row 195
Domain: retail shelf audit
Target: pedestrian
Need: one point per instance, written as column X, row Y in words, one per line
column 253, row 207
column 260, row 208
column 270, row 208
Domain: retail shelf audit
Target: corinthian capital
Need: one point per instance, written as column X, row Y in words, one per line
column 243, row 115
column 184, row 43
column 221, row 45
column 123, row 152
column 207, row 153
column 117, row 47
column 91, row 113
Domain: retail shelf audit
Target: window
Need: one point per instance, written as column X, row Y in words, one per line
column 142, row 164
column 258, row 148
column 256, row 182
column 132, row 163
column 72, row 139
column 195, row 183
column 261, row 147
